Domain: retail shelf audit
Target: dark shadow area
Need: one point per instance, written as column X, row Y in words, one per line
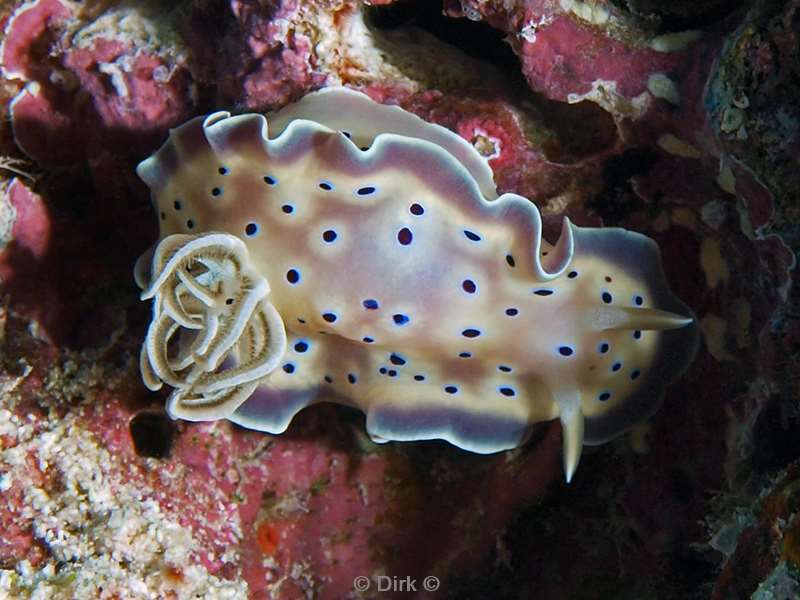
column 776, row 433
column 681, row 15
column 617, row 200
column 581, row 130
column 214, row 21
column 475, row 38
column 79, row 290
column 152, row 434
column 693, row 570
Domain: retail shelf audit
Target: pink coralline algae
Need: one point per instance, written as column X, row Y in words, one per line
column 25, row 222
column 266, row 57
column 582, row 48
column 677, row 121
column 83, row 90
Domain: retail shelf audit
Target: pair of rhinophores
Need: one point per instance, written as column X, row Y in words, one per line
column 349, row 251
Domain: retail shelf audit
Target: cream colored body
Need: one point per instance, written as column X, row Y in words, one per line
column 349, row 238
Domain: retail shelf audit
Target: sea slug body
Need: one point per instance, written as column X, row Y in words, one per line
column 349, row 251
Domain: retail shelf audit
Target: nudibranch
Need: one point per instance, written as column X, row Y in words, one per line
column 349, row 251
